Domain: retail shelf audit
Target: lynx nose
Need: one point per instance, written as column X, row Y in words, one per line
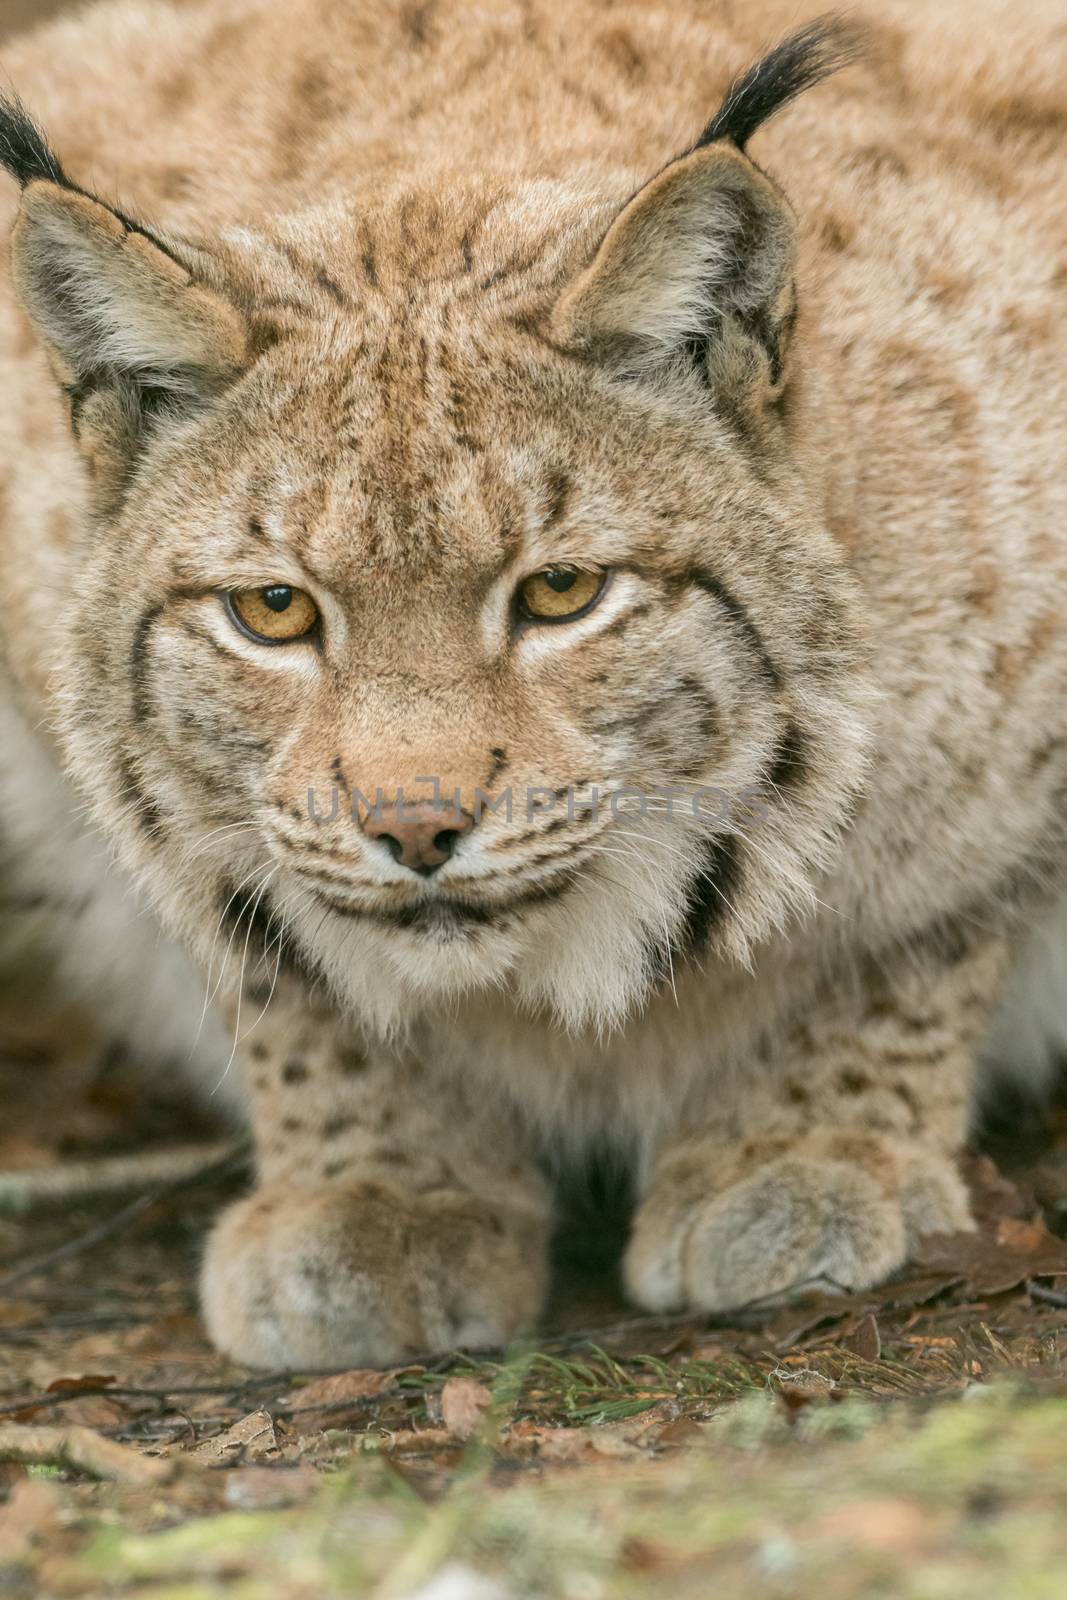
column 421, row 836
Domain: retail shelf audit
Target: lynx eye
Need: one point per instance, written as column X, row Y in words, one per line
column 274, row 614
column 559, row 593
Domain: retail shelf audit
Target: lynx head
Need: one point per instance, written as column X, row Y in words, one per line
column 455, row 608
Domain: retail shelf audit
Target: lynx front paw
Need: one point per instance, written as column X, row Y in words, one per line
column 363, row 1275
column 839, row 1209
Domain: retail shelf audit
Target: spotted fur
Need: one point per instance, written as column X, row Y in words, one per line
column 445, row 296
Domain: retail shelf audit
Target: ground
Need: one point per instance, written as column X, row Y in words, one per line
column 907, row 1442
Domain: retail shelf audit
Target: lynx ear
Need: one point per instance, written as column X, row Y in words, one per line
column 697, row 269
column 136, row 337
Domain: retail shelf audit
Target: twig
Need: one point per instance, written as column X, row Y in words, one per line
column 40, row 1190
column 231, row 1156
column 1051, row 1297
column 81, row 1450
column 59, row 1397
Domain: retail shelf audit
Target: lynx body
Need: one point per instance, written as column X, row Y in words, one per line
column 413, row 326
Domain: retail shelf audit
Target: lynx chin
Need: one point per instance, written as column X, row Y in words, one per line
column 549, row 396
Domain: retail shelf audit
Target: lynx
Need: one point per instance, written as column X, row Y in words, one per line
column 535, row 538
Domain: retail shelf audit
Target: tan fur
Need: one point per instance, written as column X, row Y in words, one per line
column 408, row 267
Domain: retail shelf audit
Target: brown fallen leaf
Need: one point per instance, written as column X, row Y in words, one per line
column 334, row 1401
column 865, row 1341
column 815, row 1313
column 91, row 1411
column 250, row 1439
column 992, row 1263
column 88, row 1380
column 87, row 1408
column 682, row 1431
column 464, row 1402
column 1017, row 1233
column 167, row 1336
column 805, row 1380
column 993, row 1196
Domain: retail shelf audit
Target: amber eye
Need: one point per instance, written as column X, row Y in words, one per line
column 274, row 614
column 559, row 593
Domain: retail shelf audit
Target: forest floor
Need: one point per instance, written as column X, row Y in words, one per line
column 907, row 1442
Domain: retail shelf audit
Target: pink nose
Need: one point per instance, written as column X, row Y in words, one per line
column 421, row 836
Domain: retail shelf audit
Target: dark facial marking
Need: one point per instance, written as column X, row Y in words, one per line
column 699, row 578
column 138, row 662
column 499, row 764
column 558, row 491
column 619, row 624
column 250, row 914
column 789, row 767
column 331, row 287
column 712, row 892
column 132, row 792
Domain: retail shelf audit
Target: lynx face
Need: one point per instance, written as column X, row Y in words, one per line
column 458, row 611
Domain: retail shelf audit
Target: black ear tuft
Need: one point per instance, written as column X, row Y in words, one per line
column 808, row 56
column 24, row 150
column 27, row 155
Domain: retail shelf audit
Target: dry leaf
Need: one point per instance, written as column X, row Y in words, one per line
column 89, row 1380
column 993, row 1196
column 865, row 1341
column 991, row 1265
column 464, row 1402
column 341, row 1398
column 92, row 1411
column 250, row 1439
column 1016, row 1234
column 683, row 1431
column 805, row 1381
